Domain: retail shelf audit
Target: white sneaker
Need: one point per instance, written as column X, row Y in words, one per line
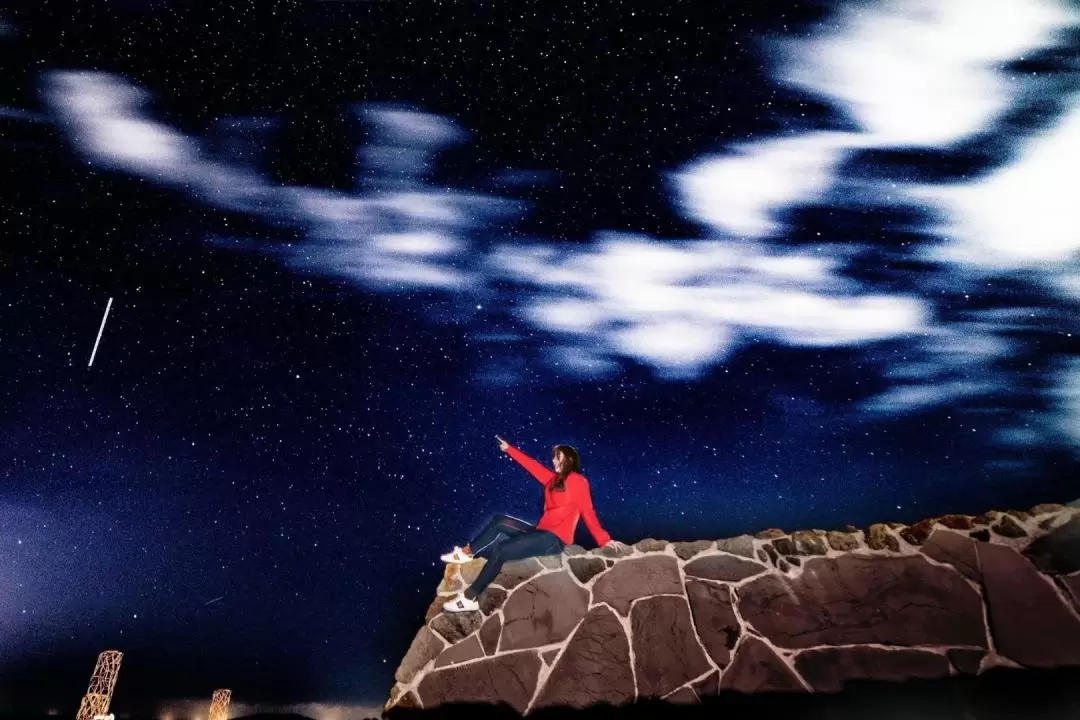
column 460, row 603
column 457, row 557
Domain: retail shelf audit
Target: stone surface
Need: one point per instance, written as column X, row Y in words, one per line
column 1059, row 550
column 542, row 612
column 966, row 661
column 1072, row 584
column 982, row 535
column 1030, row 622
column 409, row 701
column 708, row 685
column 468, row 649
column 714, row 618
column 1008, row 527
column 489, row 634
column 470, row 570
column 548, row 656
column 424, row 647
column 451, row 581
column 725, row 568
column 784, row 546
column 758, row 669
column 956, row 522
column 827, row 670
column 516, row 572
column 683, row 696
column 637, row 577
column 571, row 550
column 491, row 599
column 809, row 542
column 551, row 562
column 770, row 534
column 1046, row 508
column 854, row 599
column 455, row 626
column 771, row 553
column 585, row 569
column 918, row 533
column 841, row 541
column 687, row 550
column 510, row 678
column 651, row 545
column 742, row 545
column 878, row 537
column 954, row 549
column 666, row 653
column 594, row 668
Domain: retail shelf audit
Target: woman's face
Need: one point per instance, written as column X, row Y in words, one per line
column 558, row 460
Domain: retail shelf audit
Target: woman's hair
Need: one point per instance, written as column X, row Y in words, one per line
column 573, row 464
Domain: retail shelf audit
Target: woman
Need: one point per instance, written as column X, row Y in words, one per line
column 566, row 498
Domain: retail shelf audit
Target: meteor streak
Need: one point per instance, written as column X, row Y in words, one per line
column 100, row 330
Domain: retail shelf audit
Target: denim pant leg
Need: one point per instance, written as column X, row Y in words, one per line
column 498, row 525
column 530, row 544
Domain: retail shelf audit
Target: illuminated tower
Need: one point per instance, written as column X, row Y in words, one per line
column 99, row 693
column 219, row 706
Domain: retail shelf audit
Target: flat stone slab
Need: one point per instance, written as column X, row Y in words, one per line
column 425, row 646
column 954, row 549
column 726, row 568
column 666, row 653
column 714, row 618
column 826, row 670
column 635, row 578
column 542, row 611
column 594, row 668
column 511, row 678
column 853, row 599
column 758, row 669
column 1030, row 621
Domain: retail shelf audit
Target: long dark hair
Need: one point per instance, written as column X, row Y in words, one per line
column 573, row 464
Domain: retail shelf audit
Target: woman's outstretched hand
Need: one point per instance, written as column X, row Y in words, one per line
column 502, row 443
column 617, row 546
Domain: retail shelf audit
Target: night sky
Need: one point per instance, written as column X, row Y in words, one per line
column 766, row 265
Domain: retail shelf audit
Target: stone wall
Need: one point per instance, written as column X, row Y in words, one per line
column 774, row 613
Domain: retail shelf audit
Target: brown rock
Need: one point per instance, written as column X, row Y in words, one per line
column 1058, row 551
column 467, row 649
column 548, row 656
column 784, row 546
column 543, row 611
column 827, row 670
column 1047, row 523
column 609, row 563
column 574, row 550
column 1030, row 622
column 742, row 545
column 762, row 555
column 551, row 562
column 956, row 522
column 1020, row 515
column 409, row 702
column 758, row 669
column 770, row 534
column 585, row 569
column 714, row 619
column 594, row 667
column 916, row 534
column 435, row 607
column 610, row 552
column 794, row 560
column 451, row 580
column 687, row 550
column 708, row 685
column 425, row 646
column 666, row 653
column 1008, row 527
column 809, row 542
column 987, row 518
column 770, row 551
column 650, row 545
column 508, row 678
column 726, row 568
column 954, row 549
column 683, row 696
column 879, row 538
column 896, row 525
column 982, row 535
column 842, row 541
column 966, row 661
column 782, row 565
column 856, row 599
column 456, row 626
column 516, row 572
column 850, row 528
column 470, row 570
column 637, row 577
column 489, row 634
column 1046, row 509
column 491, row 599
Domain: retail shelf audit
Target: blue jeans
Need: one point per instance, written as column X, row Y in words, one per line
column 505, row 538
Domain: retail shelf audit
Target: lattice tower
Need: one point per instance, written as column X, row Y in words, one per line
column 219, row 705
column 99, row 693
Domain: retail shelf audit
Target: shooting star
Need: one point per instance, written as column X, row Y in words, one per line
column 211, row 602
column 100, row 330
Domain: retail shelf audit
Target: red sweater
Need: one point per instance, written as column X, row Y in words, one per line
column 562, row 508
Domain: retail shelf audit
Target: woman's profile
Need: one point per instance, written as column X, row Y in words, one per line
column 566, row 499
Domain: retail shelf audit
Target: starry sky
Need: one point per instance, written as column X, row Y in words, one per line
column 789, row 265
